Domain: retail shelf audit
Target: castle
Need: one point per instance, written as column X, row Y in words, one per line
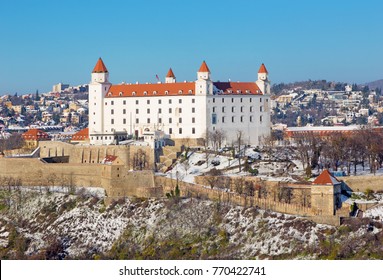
column 181, row 110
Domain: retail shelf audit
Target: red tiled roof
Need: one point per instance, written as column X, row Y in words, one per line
column 262, row 69
column 238, row 87
column 170, row 74
column 35, row 134
column 204, row 67
column 325, row 178
column 81, row 135
column 136, row 90
column 109, row 159
column 100, row 67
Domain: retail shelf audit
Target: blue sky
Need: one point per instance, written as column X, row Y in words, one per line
column 47, row 42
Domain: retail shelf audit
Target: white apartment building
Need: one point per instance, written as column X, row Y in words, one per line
column 182, row 110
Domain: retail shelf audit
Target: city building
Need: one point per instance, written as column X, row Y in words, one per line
column 182, row 110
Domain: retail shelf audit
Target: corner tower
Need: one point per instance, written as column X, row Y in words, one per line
column 263, row 80
column 98, row 88
column 170, row 78
column 204, row 85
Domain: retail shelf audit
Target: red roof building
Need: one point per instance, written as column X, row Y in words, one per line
column 81, row 136
column 35, row 135
column 326, row 178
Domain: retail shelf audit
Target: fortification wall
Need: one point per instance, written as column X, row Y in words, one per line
column 89, row 154
column 194, row 190
column 33, row 172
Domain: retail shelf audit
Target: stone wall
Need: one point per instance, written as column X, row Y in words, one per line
column 195, row 190
column 88, row 154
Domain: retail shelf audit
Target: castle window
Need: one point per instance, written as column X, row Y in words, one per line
column 242, row 109
column 260, row 99
column 190, row 92
column 232, row 100
column 193, row 120
column 251, row 118
column 136, row 102
column 260, row 118
column 223, row 109
column 180, row 120
column 170, row 110
column 145, row 93
column 137, row 120
column 112, row 121
column 193, row 110
column 247, row 91
column 109, row 94
column 193, row 100
column 159, row 120
column 179, row 101
column 112, row 112
column 106, row 103
column 180, row 110
column 159, row 101
column 124, row 121
column 223, row 119
column 124, row 102
column 166, row 92
column 241, row 118
column 261, row 109
column 251, row 109
column 241, row 100
column 148, row 120
column 170, row 101
column 223, row 100
column 124, row 111
column 159, row 110
column 137, row 111
column 251, row 100
column 214, row 109
column 120, row 93
column 233, row 109
column 133, row 93
column 154, row 92
column 147, row 101
column 148, row 111
column 180, row 92
column 193, row 130
column 229, row 91
column 213, row 100
column 239, row 91
column 267, row 100
column 170, row 120
column 180, row 130
column 170, row 130
column 232, row 119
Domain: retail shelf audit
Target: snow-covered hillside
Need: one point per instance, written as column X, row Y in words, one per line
column 59, row 225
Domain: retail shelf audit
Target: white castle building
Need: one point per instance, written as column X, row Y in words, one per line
column 182, row 110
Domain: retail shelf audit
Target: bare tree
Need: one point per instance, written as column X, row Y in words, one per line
column 239, row 143
column 206, row 140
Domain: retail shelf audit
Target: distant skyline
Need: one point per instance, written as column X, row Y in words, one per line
column 47, row 42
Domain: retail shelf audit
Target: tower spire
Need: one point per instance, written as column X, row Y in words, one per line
column 100, row 67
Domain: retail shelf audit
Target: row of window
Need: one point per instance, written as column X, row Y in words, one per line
column 241, row 100
column 180, row 130
column 148, row 111
column 233, row 119
column 159, row 101
column 154, row 92
column 242, row 109
column 148, row 120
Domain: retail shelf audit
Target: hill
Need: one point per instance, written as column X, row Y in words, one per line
column 375, row 84
column 49, row 225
